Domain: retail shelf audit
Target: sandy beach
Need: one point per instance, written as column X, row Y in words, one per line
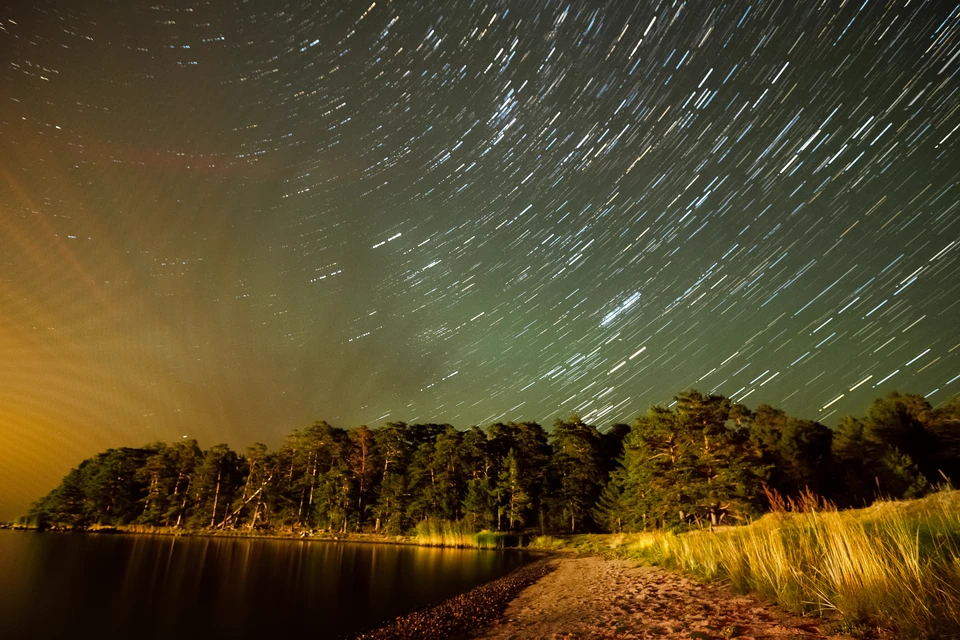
column 567, row 597
column 597, row 598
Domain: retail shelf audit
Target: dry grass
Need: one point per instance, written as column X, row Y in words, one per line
column 443, row 533
column 895, row 564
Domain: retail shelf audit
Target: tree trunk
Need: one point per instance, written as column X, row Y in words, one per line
column 176, row 491
column 216, row 496
column 183, row 506
column 313, row 483
column 256, row 510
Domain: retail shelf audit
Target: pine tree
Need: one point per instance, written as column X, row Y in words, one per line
column 217, row 479
column 157, row 473
column 610, row 507
column 479, row 504
column 853, row 471
column 248, row 508
column 514, row 499
column 798, row 450
column 363, row 465
column 450, row 482
column 577, row 471
column 692, row 464
column 186, row 456
column 943, row 423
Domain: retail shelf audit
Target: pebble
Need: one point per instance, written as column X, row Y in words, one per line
column 462, row 615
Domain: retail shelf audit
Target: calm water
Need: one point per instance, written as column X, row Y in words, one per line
column 81, row 585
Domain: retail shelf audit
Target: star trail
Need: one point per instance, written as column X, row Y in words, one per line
column 226, row 220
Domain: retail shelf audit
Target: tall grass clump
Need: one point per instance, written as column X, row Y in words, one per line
column 895, row 564
column 547, row 543
column 446, row 533
column 496, row 540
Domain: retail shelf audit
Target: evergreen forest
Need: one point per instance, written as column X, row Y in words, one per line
column 701, row 461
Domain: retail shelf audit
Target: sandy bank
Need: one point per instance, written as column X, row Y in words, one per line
column 596, row 598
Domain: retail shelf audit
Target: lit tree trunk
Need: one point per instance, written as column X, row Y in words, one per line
column 183, row 507
column 363, row 480
column 151, row 493
column 176, row 491
column 313, row 483
column 256, row 512
column 246, row 485
column 216, row 496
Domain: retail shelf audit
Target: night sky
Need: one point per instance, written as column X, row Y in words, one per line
column 226, row 219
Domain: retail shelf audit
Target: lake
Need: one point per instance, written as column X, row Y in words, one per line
column 99, row 585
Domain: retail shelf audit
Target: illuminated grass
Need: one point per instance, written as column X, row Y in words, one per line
column 895, row 564
column 443, row 533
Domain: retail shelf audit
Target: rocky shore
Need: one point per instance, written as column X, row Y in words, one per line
column 463, row 615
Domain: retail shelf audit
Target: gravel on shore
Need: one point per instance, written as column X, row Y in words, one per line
column 462, row 615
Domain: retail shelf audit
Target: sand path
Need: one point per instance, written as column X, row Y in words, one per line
column 596, row 598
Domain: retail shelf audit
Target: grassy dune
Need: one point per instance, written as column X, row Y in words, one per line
column 894, row 564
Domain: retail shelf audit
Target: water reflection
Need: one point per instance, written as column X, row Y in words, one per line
column 60, row 585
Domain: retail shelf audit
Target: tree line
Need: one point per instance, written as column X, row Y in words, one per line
column 703, row 460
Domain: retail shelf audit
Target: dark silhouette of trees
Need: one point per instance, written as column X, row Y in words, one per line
column 943, row 425
column 900, row 449
column 797, row 450
column 701, row 461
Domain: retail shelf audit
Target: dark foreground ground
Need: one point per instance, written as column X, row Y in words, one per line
column 463, row 615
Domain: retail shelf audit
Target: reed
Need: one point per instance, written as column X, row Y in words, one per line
column 459, row 534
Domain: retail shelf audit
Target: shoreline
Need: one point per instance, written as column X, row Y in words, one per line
column 461, row 616
column 565, row 594
column 593, row 597
column 292, row 536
